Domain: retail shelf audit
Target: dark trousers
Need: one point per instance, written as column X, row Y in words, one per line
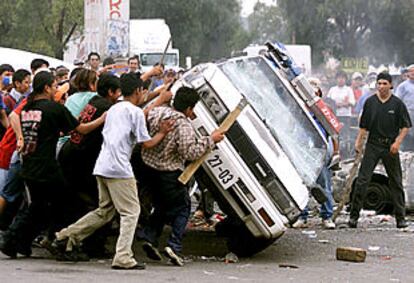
column 46, row 208
column 171, row 206
column 373, row 153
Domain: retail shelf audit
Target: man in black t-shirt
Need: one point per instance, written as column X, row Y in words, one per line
column 42, row 120
column 386, row 120
column 79, row 154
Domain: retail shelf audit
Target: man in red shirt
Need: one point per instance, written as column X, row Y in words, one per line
column 356, row 85
column 11, row 185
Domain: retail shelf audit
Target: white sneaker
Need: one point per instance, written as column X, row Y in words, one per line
column 301, row 223
column 175, row 258
column 328, row 224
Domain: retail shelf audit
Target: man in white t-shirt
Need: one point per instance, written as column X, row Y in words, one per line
column 342, row 95
column 125, row 126
column 344, row 99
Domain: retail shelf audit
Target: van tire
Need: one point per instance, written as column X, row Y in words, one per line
column 377, row 197
column 240, row 240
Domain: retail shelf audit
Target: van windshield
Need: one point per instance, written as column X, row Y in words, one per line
column 285, row 118
column 150, row 59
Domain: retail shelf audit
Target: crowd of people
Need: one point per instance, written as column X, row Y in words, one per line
column 347, row 94
column 75, row 144
column 348, row 100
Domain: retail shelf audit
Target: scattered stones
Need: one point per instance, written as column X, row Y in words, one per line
column 373, row 248
column 287, row 265
column 351, row 254
column 231, row 258
column 310, row 233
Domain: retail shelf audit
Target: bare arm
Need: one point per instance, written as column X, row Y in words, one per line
column 395, row 147
column 154, row 141
column 165, row 127
column 155, row 71
column 86, row 128
column 3, row 119
column 150, row 96
column 164, row 97
column 360, row 138
column 17, row 128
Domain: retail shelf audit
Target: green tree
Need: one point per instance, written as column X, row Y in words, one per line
column 203, row 29
column 307, row 23
column 391, row 33
column 40, row 26
column 379, row 29
column 267, row 23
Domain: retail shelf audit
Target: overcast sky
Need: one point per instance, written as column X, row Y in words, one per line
column 248, row 5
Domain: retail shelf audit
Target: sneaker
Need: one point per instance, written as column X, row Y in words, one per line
column 58, row 246
column 175, row 259
column 328, row 224
column 7, row 249
column 138, row 266
column 74, row 256
column 335, row 163
column 301, row 223
column 11, row 247
column 401, row 223
column 151, row 251
column 353, row 223
column 58, row 249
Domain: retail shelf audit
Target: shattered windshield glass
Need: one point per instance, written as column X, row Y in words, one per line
column 287, row 121
column 150, row 59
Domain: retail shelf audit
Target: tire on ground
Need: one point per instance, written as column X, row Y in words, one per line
column 239, row 239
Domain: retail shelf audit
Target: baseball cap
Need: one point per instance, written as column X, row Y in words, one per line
column 169, row 72
column 384, row 76
column 357, row 75
column 64, row 88
column 314, row 82
column 410, row 67
column 78, row 62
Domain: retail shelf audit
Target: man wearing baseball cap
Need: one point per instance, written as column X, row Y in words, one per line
column 405, row 92
column 386, row 121
column 356, row 85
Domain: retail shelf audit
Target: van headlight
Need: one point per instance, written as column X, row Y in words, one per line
column 213, row 103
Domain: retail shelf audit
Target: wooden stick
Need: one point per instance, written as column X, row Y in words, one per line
column 348, row 185
column 224, row 127
column 161, row 62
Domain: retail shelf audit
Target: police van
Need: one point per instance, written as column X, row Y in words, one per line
column 262, row 172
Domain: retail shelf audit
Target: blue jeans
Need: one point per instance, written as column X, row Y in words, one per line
column 3, row 177
column 326, row 209
column 171, row 206
column 13, row 186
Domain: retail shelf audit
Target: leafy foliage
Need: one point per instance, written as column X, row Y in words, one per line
column 379, row 29
column 39, row 26
column 202, row 29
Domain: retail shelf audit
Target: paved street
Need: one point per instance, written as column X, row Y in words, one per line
column 310, row 253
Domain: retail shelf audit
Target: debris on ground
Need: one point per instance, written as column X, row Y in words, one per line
column 204, row 258
column 373, row 248
column 287, row 265
column 351, row 254
column 231, row 258
column 310, row 233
